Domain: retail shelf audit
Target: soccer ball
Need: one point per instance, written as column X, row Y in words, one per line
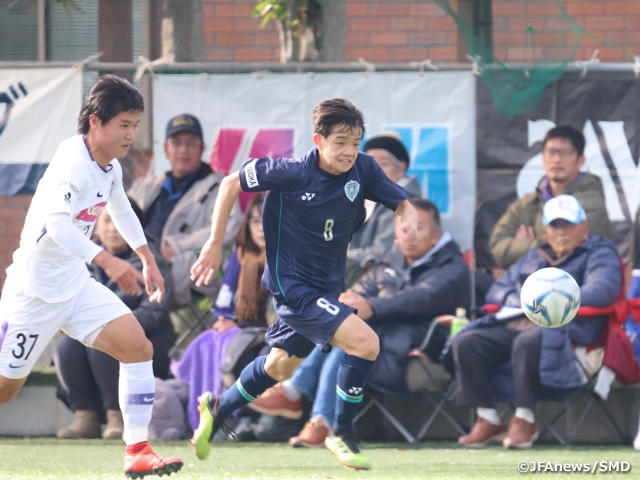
column 550, row 297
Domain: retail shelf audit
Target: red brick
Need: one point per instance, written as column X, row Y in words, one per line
column 415, row 54
column 231, row 10
column 547, row 8
column 509, row 8
column 220, row 55
column 428, row 38
column 235, row 39
column 625, row 8
column 523, row 54
column 550, row 39
column 510, row 38
column 250, row 23
column 358, row 38
column 218, row 25
column 357, row 9
column 390, row 10
column 390, row 38
column 410, row 23
column 426, row 9
column 368, row 23
column 242, row 54
column 448, row 54
column 523, row 23
column 442, row 24
column 267, row 39
column 584, row 8
column 605, row 23
column 208, row 10
column 370, row 54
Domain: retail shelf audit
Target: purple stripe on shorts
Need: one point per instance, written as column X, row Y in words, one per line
column 139, row 399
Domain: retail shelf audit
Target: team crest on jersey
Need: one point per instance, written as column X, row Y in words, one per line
column 351, row 189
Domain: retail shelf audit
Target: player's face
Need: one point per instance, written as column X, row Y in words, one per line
column 116, row 136
column 561, row 160
column 427, row 235
column 255, row 228
column 564, row 237
column 393, row 168
column 109, row 236
column 184, row 151
column 338, row 151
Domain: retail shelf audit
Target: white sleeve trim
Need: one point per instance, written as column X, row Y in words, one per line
column 64, row 233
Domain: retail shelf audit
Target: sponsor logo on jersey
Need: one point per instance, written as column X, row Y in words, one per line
column 91, row 213
column 351, row 189
column 250, row 174
column 71, row 186
column 67, row 198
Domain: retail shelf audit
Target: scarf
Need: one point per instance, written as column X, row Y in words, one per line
column 251, row 300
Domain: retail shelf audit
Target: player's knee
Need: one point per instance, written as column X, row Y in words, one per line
column 8, row 394
column 279, row 371
column 147, row 351
column 371, row 348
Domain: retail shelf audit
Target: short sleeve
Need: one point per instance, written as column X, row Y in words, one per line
column 65, row 186
column 262, row 174
column 382, row 190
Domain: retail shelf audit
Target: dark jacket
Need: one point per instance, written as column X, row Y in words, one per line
column 596, row 268
column 405, row 301
column 152, row 316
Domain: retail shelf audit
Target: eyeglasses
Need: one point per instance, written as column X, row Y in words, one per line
column 561, row 152
column 190, row 143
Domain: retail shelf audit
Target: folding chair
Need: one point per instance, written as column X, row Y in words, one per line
column 198, row 319
column 503, row 386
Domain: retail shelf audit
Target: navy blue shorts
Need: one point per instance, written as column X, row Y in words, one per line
column 298, row 330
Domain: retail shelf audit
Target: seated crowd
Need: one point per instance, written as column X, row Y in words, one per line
column 398, row 287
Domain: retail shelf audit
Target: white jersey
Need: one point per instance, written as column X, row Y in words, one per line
column 75, row 184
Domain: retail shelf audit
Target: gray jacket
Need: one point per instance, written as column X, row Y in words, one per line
column 377, row 234
column 189, row 225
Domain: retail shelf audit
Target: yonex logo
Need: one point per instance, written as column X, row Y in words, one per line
column 308, row 196
column 355, row 390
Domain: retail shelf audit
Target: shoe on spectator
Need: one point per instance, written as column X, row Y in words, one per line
column 276, row 402
column 115, row 425
column 140, row 460
column 312, row 435
column 85, row 425
column 482, row 433
column 521, row 434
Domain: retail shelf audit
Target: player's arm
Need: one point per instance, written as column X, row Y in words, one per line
column 127, row 223
column 408, row 220
column 208, row 262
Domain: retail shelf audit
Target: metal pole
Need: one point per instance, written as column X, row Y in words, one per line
column 42, row 31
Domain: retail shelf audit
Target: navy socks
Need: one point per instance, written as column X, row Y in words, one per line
column 352, row 377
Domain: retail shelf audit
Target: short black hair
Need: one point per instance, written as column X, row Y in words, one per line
column 567, row 132
column 337, row 112
column 110, row 96
column 428, row 206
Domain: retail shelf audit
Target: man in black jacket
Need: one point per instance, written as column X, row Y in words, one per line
column 405, row 289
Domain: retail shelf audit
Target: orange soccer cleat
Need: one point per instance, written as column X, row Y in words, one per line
column 141, row 460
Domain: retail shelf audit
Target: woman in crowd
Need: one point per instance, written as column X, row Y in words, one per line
column 89, row 378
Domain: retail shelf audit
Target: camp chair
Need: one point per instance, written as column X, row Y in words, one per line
column 503, row 385
column 195, row 317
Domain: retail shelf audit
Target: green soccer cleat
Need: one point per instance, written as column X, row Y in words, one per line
column 344, row 445
column 208, row 426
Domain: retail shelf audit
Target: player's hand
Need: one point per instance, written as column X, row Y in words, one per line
column 357, row 301
column 152, row 276
column 203, row 271
column 128, row 278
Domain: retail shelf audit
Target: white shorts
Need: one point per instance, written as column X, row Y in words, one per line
column 32, row 323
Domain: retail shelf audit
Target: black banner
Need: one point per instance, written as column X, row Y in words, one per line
column 606, row 106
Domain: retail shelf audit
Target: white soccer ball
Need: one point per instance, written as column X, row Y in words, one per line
column 550, row 297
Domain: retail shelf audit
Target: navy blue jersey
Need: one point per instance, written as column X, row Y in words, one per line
column 309, row 217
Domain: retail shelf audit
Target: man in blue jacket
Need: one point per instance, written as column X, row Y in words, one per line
column 542, row 358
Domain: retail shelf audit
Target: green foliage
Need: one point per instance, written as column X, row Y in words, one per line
column 286, row 12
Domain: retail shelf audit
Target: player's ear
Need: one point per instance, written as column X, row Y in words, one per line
column 94, row 122
column 317, row 138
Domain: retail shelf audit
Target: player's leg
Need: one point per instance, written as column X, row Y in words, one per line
column 263, row 373
column 361, row 346
column 100, row 320
column 9, row 388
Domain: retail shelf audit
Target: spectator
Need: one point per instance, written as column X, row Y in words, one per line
column 542, row 358
column 521, row 227
column 376, row 234
column 89, row 377
column 405, row 289
column 241, row 303
column 178, row 204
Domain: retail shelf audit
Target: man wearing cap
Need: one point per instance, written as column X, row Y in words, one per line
column 177, row 205
column 521, row 227
column 543, row 363
column 376, row 235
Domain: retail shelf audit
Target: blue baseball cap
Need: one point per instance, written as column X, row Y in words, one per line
column 565, row 207
column 184, row 123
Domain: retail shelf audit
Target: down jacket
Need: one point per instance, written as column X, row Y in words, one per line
column 405, row 300
column 595, row 266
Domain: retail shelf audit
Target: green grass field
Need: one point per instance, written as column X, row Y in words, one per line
column 44, row 458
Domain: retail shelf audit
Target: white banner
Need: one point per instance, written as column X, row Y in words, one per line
column 250, row 115
column 38, row 110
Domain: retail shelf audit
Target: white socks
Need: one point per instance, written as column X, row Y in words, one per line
column 137, row 389
column 489, row 414
column 525, row 414
column 291, row 391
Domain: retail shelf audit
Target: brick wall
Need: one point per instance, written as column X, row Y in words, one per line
column 13, row 210
column 403, row 31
